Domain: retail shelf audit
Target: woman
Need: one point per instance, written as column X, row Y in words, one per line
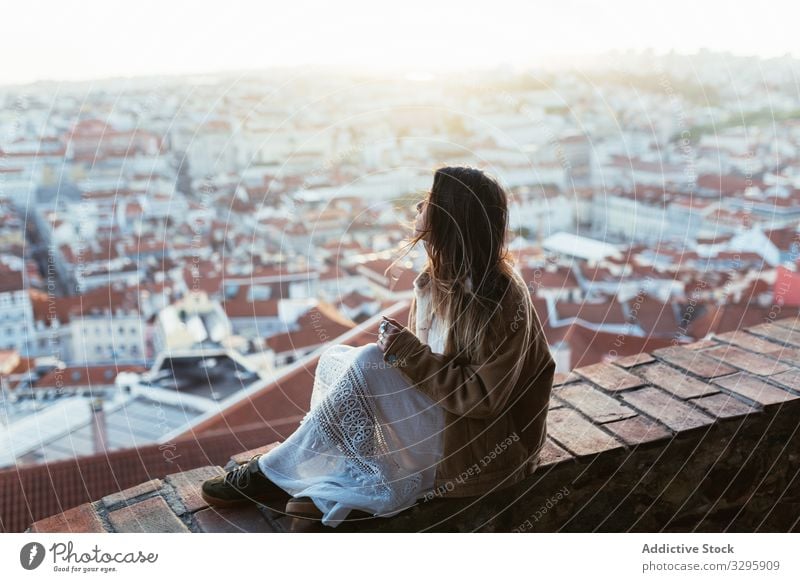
column 453, row 405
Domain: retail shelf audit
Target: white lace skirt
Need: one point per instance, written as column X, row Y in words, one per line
column 370, row 441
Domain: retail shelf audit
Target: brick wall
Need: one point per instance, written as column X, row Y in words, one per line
column 699, row 437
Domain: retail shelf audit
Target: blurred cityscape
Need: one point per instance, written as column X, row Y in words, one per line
column 167, row 244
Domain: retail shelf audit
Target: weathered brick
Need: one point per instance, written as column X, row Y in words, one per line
column 593, row 403
column 678, row 382
column 749, row 341
column 747, row 361
column 701, row 344
column 786, row 355
column 551, row 454
column 188, row 483
column 245, row 519
column 723, row 405
column 638, row 430
column 609, row 377
column 149, row 516
column 777, row 333
column 242, row 458
column 80, row 519
column 578, row 435
column 634, row 360
column 790, row 379
column 560, row 378
column 792, row 322
column 130, row 493
column 755, row 389
column 693, row 361
column 674, row 413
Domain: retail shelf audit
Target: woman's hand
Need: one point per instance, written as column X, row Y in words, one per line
column 387, row 332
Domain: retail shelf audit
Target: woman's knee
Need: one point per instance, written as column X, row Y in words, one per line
column 334, row 350
column 370, row 356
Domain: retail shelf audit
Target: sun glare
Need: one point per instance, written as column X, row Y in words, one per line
column 118, row 39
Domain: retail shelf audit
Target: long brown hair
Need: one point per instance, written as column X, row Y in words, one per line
column 470, row 269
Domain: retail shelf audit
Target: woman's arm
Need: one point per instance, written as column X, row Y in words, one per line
column 471, row 390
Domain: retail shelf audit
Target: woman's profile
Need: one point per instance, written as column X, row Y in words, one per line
column 454, row 404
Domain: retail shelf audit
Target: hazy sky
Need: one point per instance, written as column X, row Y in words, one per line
column 60, row 39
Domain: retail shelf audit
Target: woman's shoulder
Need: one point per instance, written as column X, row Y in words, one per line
column 514, row 288
column 516, row 300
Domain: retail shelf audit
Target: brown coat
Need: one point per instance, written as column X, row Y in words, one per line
column 494, row 430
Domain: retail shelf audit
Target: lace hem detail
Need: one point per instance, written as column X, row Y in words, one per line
column 349, row 421
column 345, row 417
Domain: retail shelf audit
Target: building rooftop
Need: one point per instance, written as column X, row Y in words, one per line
column 573, row 245
column 211, row 373
column 69, row 426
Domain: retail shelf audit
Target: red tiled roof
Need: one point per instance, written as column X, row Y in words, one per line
column 399, row 278
column 732, row 316
column 355, row 299
column 318, row 325
column 657, row 319
column 32, row 492
column 11, row 281
column 755, row 289
column 209, row 282
column 588, row 346
column 278, row 271
column 719, row 239
column 142, row 245
column 783, row 238
column 103, row 250
column 23, row 372
column 727, row 184
column 240, row 307
column 650, row 271
column 607, row 312
column 599, row 274
column 291, row 341
column 786, row 290
column 85, row 376
column 341, row 247
column 562, row 278
column 337, row 271
column 98, row 300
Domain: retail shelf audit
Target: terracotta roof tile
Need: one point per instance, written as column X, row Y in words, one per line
column 33, row 492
